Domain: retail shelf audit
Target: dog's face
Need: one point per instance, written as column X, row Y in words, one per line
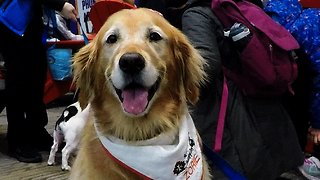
column 139, row 73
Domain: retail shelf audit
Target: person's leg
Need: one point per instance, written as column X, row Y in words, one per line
column 11, row 52
column 26, row 112
column 15, row 55
column 2, row 85
column 2, row 100
column 36, row 113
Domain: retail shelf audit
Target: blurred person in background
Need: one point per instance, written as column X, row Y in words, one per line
column 26, row 67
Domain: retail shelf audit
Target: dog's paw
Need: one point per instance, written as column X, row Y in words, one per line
column 51, row 163
column 65, row 168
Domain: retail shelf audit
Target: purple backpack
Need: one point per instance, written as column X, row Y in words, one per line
column 267, row 65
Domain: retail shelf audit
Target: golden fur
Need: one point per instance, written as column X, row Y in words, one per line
column 177, row 64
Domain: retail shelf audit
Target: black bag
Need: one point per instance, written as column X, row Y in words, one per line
column 246, row 138
column 258, row 130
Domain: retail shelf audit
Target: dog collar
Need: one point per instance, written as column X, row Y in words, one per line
column 179, row 159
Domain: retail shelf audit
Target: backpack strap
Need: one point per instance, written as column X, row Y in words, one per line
column 217, row 160
column 221, row 118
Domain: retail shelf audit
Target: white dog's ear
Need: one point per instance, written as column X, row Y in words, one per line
column 83, row 70
column 192, row 66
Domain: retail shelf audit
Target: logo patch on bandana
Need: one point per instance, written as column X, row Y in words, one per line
column 190, row 162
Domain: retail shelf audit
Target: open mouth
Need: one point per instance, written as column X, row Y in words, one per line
column 135, row 97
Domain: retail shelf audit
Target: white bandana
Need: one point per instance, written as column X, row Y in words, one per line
column 175, row 157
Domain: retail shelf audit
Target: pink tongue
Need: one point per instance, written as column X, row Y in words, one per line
column 135, row 101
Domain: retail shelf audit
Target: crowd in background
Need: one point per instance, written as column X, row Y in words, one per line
column 285, row 123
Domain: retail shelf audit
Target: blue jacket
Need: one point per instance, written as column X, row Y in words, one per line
column 304, row 25
column 17, row 14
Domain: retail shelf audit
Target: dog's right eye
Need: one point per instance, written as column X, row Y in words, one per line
column 154, row 36
column 112, row 39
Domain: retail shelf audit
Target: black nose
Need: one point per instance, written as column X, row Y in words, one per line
column 131, row 63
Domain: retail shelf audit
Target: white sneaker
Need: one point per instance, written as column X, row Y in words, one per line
column 311, row 168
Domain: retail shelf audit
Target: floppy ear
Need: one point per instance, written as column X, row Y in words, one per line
column 83, row 69
column 192, row 66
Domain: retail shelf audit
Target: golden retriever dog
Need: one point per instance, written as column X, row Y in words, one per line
column 138, row 74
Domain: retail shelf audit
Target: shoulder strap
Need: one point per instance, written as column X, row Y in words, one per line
column 212, row 155
column 221, row 118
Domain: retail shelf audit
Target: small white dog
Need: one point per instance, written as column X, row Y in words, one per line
column 68, row 128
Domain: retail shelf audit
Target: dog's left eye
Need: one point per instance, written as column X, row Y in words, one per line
column 112, row 39
column 154, row 36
